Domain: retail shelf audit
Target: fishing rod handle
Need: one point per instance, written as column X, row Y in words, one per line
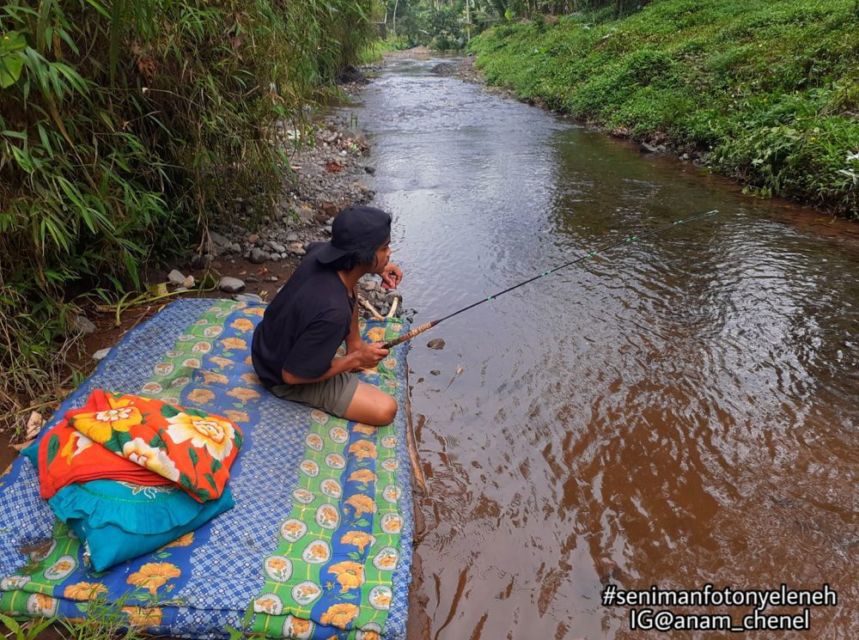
column 408, row 336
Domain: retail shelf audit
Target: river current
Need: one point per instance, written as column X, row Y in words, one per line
column 679, row 411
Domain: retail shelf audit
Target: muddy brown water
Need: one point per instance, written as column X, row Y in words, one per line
column 679, row 412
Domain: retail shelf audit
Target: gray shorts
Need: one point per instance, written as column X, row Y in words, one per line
column 332, row 396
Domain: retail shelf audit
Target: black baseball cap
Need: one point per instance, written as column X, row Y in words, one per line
column 358, row 228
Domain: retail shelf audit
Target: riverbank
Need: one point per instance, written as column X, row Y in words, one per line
column 240, row 260
column 762, row 93
column 330, row 165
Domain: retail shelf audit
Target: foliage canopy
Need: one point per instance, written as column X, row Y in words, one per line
column 127, row 127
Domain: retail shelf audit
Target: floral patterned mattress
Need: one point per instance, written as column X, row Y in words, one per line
column 318, row 544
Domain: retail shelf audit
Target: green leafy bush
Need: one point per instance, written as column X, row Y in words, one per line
column 767, row 89
column 126, row 128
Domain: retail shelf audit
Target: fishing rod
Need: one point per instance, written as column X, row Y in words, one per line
column 591, row 254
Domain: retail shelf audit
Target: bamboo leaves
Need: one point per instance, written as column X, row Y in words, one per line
column 127, row 127
column 11, row 62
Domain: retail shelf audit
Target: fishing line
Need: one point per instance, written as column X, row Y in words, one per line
column 591, row 254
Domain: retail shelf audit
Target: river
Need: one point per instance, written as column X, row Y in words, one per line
column 679, row 411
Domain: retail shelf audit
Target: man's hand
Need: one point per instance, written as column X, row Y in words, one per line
column 368, row 355
column 392, row 276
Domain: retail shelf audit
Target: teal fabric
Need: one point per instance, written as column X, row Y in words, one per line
column 32, row 454
column 119, row 520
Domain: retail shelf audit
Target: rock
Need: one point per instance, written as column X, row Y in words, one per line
column 175, row 277
column 201, row 261
column 219, row 240
column 228, row 284
column 235, row 247
column 436, row 343
column 84, row 325
column 649, row 148
column 305, row 214
column 188, row 282
column 253, row 238
column 101, row 354
column 34, row 424
column 275, row 257
column 291, row 237
column 272, row 278
column 435, row 372
column 247, row 297
column 443, row 69
column 351, row 74
column 251, row 279
column 370, row 170
column 296, row 248
column 276, row 247
column 258, row 256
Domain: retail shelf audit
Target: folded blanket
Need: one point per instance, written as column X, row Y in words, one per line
column 66, row 456
column 139, row 440
column 118, row 521
column 190, row 447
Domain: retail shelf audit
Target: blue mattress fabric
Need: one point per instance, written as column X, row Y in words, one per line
column 227, row 573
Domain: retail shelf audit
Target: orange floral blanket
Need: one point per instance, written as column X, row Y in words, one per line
column 141, row 440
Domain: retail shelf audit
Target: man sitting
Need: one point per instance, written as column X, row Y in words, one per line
column 295, row 344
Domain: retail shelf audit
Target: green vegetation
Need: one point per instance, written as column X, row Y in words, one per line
column 126, row 128
column 450, row 24
column 375, row 50
column 100, row 620
column 768, row 92
column 29, row 630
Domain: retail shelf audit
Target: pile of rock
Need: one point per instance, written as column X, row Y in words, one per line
column 180, row 281
column 273, row 244
column 380, row 299
column 327, row 176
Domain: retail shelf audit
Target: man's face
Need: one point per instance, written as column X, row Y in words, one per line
column 383, row 256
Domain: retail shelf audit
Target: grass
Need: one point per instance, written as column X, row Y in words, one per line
column 765, row 92
column 98, row 620
column 375, row 50
column 29, row 630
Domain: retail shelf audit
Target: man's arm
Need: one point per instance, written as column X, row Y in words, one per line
column 338, row 365
column 353, row 340
column 364, row 357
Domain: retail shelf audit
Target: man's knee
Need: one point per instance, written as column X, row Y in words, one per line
column 388, row 410
column 384, row 412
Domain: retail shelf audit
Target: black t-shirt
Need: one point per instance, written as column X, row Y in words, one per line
column 304, row 325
